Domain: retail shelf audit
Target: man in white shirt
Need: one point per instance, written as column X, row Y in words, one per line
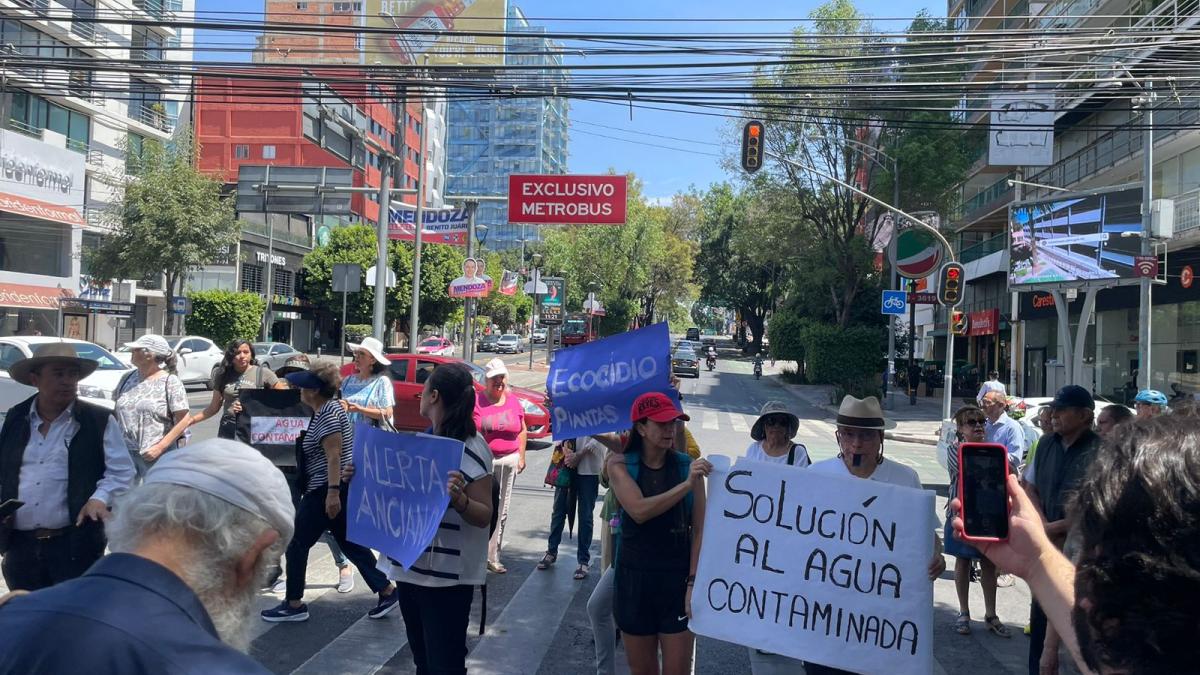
column 993, row 384
column 65, row 460
column 583, row 457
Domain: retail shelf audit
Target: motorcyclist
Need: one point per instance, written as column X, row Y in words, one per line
column 710, row 355
column 758, row 363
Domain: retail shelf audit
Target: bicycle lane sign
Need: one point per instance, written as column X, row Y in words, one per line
column 894, row 302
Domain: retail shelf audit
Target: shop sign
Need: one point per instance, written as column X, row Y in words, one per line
column 40, row 180
column 33, row 297
column 274, row 258
column 986, row 322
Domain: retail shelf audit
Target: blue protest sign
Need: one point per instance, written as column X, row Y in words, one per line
column 398, row 495
column 894, row 302
column 592, row 386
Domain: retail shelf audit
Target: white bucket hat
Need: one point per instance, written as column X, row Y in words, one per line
column 495, row 367
column 155, row 344
column 758, row 431
column 371, row 346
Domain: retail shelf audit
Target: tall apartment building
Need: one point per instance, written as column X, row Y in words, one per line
column 66, row 133
column 489, row 139
column 1098, row 142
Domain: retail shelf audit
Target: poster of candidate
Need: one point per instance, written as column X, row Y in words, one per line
column 271, row 420
column 473, row 283
column 509, row 282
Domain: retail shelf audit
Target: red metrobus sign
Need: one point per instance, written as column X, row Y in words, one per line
column 570, row 200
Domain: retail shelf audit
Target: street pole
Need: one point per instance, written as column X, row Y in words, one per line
column 537, row 279
column 270, row 252
column 1013, row 327
column 891, row 359
column 414, row 323
column 1144, row 286
column 947, row 395
column 469, row 309
column 912, row 350
column 381, row 252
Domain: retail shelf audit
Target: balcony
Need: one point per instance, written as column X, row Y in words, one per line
column 1187, row 212
column 24, row 129
column 982, row 249
column 982, row 203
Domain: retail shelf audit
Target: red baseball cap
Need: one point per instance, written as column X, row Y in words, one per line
column 656, row 406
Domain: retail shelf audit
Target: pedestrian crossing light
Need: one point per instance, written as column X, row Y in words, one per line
column 752, row 146
column 958, row 322
column 950, row 288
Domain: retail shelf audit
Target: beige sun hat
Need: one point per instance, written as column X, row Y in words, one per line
column 758, row 431
column 862, row 413
column 372, row 346
column 50, row 352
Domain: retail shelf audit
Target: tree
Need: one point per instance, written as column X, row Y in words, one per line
column 169, row 219
column 223, row 316
column 506, row 311
column 355, row 244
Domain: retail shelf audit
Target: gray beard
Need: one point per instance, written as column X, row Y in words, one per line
column 229, row 611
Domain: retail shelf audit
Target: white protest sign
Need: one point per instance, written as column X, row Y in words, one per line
column 819, row 567
column 276, row 430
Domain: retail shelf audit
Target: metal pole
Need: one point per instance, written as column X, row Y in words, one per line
column 345, row 294
column 1144, row 286
column 912, row 345
column 469, row 310
column 537, row 279
column 949, row 375
column 270, row 252
column 381, row 253
column 891, row 359
column 414, row 322
column 1018, row 194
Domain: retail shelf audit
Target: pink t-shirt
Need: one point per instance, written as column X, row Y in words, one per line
column 500, row 424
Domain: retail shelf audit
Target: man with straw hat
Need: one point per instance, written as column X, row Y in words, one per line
column 65, row 459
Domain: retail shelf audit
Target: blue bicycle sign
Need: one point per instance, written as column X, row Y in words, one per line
column 894, row 302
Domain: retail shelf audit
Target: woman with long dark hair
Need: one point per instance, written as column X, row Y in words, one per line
column 436, row 591
column 152, row 404
column 237, row 371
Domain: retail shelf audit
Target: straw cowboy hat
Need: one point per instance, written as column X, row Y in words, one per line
column 862, row 413
column 371, row 346
column 758, row 432
column 50, row 352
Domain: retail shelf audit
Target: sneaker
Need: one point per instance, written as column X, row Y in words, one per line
column 280, row 586
column 346, row 581
column 386, row 604
column 285, row 613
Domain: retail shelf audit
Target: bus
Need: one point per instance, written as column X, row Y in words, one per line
column 575, row 330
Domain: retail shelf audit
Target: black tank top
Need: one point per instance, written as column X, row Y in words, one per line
column 663, row 542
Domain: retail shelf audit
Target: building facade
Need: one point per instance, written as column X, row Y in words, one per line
column 69, row 125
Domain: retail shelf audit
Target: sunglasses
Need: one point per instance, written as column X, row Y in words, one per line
column 976, row 421
column 776, row 421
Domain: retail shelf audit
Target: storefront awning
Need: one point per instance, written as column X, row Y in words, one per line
column 32, row 297
column 33, row 208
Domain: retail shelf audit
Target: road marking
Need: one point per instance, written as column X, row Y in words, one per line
column 739, row 423
column 365, row 647
column 814, row 428
column 711, row 421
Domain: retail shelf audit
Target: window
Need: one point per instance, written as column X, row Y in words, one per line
column 31, row 114
column 252, row 278
column 301, row 5
column 282, row 282
column 145, row 45
column 241, row 151
column 83, row 17
column 91, row 242
column 146, row 104
column 35, row 247
column 133, row 152
column 268, row 152
column 10, row 354
column 399, row 370
column 424, row 370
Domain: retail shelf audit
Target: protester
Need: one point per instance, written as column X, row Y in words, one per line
column 993, row 383
column 1128, row 604
column 327, row 445
column 772, row 436
column 860, row 427
column 367, row 393
column 1003, row 429
column 1045, row 422
column 661, row 493
column 1150, row 403
column 237, row 371
column 1110, row 416
column 436, row 590
column 66, row 459
column 1062, row 461
column 152, row 407
column 501, row 420
column 190, row 547
column 582, row 457
column 970, row 422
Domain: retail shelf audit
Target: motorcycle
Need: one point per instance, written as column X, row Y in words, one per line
column 757, row 369
column 711, row 361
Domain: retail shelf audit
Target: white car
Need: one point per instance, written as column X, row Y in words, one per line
column 197, row 358
column 12, row 393
column 95, row 388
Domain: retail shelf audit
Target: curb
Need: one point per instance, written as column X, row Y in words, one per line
column 832, row 409
column 910, row 439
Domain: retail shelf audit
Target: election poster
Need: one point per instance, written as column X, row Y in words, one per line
column 398, row 495
column 474, row 282
column 592, row 386
column 825, row 568
column 271, row 421
column 441, row 227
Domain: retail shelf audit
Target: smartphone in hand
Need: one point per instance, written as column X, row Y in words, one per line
column 983, row 491
column 10, row 507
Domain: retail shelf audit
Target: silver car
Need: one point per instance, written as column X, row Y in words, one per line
column 272, row 355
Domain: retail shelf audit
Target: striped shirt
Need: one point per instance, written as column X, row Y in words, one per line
column 458, row 553
column 330, row 419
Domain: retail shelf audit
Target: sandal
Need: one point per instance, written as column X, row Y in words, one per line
column 547, row 560
column 581, row 572
column 497, row 568
column 994, row 625
column 962, row 624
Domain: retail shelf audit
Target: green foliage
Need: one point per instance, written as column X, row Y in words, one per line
column 787, row 331
column 506, row 311
column 355, row 332
column 224, row 316
column 356, row 245
column 841, row 355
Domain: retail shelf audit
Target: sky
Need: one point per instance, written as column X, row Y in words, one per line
column 603, row 136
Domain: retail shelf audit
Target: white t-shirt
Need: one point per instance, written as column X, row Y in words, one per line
column 591, row 456
column 464, row 560
column 890, row 471
column 756, row 452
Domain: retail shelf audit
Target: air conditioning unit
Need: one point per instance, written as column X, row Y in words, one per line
column 1162, row 218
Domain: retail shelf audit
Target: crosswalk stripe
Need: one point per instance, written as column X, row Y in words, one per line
column 814, row 428
column 362, row 649
column 739, row 423
column 711, row 421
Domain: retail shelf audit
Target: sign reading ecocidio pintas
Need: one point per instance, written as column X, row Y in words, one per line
column 570, row 200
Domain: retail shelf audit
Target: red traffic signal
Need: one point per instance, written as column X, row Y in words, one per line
column 958, row 323
column 950, row 290
column 752, row 145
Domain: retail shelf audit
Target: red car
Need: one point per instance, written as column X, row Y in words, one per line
column 408, row 373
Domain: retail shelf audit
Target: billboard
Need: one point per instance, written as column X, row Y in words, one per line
column 40, row 180
column 437, row 32
column 1070, row 238
column 552, row 302
column 441, row 226
column 548, row 199
column 1022, row 130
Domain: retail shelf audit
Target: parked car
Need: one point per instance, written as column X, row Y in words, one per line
column 12, row 393
column 197, row 358
column 509, row 344
column 409, row 372
column 539, row 336
column 487, row 343
column 684, row 362
column 96, row 388
column 272, row 355
column 436, row 346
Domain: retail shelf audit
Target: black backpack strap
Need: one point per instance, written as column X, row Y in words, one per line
column 792, row 455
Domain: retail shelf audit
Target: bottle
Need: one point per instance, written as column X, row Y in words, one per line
column 432, row 18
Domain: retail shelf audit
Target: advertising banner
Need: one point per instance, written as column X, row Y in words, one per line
column 473, row 283
column 1068, row 238
column 1022, row 130
column 986, row 322
column 435, row 32
column 441, row 227
column 509, row 282
column 398, row 495
column 40, row 180
column 552, row 301
column 271, row 421
column 825, row 568
column 569, row 200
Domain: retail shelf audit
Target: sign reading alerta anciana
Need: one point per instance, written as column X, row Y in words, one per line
column 566, row 200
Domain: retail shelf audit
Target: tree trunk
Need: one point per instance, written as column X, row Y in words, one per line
column 169, row 314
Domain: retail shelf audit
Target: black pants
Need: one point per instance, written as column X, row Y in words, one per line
column 311, row 523
column 818, row 669
column 435, row 620
column 33, row 563
column 1037, row 638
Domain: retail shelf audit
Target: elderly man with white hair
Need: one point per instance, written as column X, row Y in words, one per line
column 190, row 547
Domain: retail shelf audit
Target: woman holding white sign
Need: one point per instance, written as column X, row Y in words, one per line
column 661, row 493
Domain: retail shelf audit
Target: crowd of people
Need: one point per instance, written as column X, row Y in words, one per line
column 1104, row 525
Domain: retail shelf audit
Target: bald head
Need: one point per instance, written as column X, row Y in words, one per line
column 994, row 404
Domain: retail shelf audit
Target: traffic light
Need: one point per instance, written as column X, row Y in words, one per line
column 951, row 286
column 752, row 146
column 958, row 322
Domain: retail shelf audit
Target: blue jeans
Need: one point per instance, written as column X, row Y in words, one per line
column 586, row 488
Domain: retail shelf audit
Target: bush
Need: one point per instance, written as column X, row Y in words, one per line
column 355, row 332
column 224, row 316
column 792, row 376
column 786, row 333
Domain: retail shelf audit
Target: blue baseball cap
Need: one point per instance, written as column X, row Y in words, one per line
column 1151, row 396
column 304, row 379
column 1073, row 396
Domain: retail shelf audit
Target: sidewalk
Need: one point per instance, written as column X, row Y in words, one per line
column 918, row 423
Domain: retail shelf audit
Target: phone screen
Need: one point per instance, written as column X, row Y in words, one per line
column 984, row 469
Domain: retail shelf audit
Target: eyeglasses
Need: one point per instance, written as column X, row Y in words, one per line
column 976, row 421
column 776, row 421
